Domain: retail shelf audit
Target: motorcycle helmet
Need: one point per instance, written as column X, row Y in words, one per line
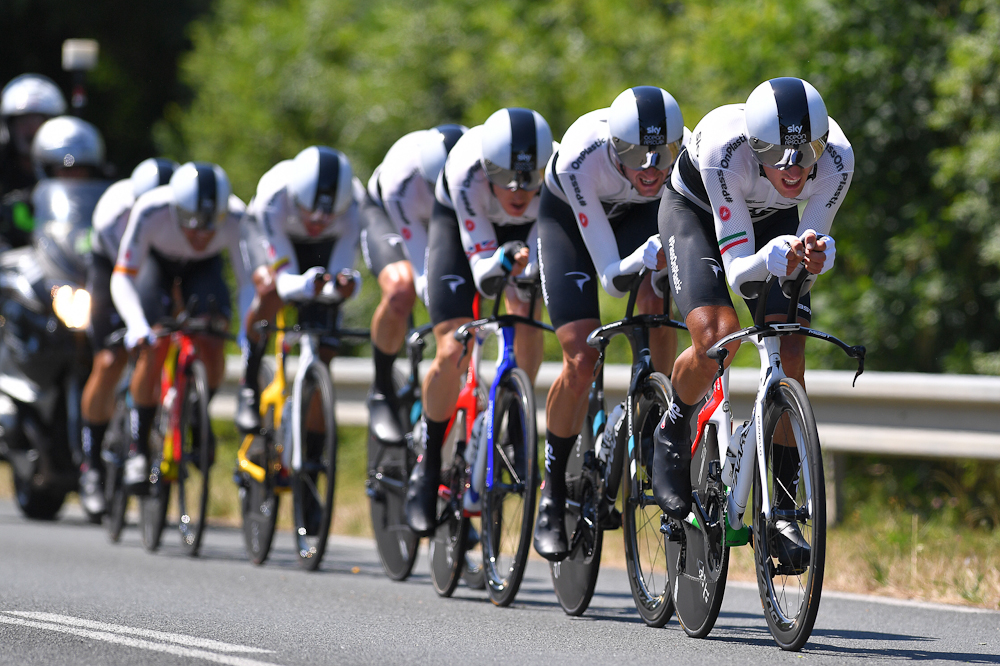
column 66, row 142
column 201, row 195
column 320, row 181
column 517, row 143
column 647, row 128
column 25, row 95
column 787, row 123
column 434, row 149
column 150, row 173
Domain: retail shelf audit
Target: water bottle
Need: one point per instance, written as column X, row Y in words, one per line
column 741, row 476
column 475, row 455
column 606, row 439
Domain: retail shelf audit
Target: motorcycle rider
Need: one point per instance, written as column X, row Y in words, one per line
column 597, row 224
column 394, row 215
column 26, row 102
column 489, row 182
column 176, row 234
column 732, row 216
column 98, row 398
column 301, row 226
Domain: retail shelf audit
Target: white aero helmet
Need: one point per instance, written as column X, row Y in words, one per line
column 31, row 93
column 150, row 173
column 517, row 143
column 201, row 195
column 66, row 141
column 320, row 180
column 787, row 124
column 434, row 149
column 646, row 127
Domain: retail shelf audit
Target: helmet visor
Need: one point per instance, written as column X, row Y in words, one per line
column 510, row 179
column 196, row 220
column 640, row 158
column 785, row 157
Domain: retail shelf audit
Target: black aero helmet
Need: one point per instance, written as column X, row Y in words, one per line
column 320, row 180
column 517, row 143
column 201, row 195
column 647, row 128
column 787, row 123
column 434, row 148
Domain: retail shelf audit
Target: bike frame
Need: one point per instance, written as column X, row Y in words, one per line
column 180, row 354
column 272, row 397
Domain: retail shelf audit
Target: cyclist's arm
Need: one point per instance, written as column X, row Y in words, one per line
column 412, row 231
column 734, row 230
column 479, row 239
column 132, row 253
column 346, row 250
column 600, row 239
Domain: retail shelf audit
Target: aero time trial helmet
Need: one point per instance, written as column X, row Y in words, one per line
column 787, row 124
column 647, row 128
column 517, row 143
column 434, row 149
column 201, row 195
column 320, row 181
column 66, row 142
column 150, row 173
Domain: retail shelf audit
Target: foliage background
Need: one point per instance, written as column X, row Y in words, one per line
column 914, row 85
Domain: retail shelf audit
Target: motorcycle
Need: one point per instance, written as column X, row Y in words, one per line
column 45, row 356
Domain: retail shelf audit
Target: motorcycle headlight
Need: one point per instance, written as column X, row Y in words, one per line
column 72, row 306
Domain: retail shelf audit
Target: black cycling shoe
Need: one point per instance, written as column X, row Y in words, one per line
column 421, row 498
column 786, row 542
column 247, row 418
column 608, row 516
column 550, row 529
column 672, row 467
column 383, row 420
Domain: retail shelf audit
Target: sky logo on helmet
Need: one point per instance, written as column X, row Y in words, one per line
column 795, row 129
column 653, row 136
column 524, row 161
column 795, row 136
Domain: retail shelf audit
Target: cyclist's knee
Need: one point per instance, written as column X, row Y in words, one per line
column 578, row 367
column 450, row 352
column 709, row 325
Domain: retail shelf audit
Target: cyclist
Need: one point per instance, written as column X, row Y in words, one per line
column 301, row 225
column 175, row 233
column 97, row 402
column 489, row 183
column 394, row 215
column 26, row 102
column 597, row 222
column 731, row 215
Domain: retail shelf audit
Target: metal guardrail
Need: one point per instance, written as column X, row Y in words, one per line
column 887, row 414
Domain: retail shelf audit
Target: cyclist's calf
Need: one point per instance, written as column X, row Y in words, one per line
column 443, row 380
column 398, row 292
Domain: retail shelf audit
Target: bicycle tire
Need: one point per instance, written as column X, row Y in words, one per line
column 448, row 543
column 388, row 471
column 790, row 595
column 196, row 458
column 645, row 554
column 258, row 500
column 575, row 578
column 115, row 452
column 153, row 506
column 698, row 562
column 313, row 485
column 508, row 513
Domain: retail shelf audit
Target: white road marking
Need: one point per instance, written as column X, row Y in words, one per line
column 186, row 646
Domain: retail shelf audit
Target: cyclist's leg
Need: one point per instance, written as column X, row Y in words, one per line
column 699, row 289
column 97, row 402
column 632, row 228
column 569, row 284
column 451, row 291
column 205, row 280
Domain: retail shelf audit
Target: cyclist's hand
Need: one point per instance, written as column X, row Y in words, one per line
column 520, row 261
column 139, row 337
column 783, row 254
column 820, row 252
column 348, row 280
column 653, row 257
column 300, row 287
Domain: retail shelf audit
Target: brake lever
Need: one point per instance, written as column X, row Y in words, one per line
column 858, row 352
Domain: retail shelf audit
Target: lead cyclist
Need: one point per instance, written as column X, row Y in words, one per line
column 731, row 216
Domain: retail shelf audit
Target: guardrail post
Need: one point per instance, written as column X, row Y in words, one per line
column 833, row 472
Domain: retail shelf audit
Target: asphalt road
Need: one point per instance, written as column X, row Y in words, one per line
column 67, row 596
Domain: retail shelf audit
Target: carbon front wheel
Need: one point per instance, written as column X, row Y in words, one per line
column 447, row 545
column 645, row 555
column 509, row 502
column 115, row 451
column 790, row 546
column 153, row 506
column 313, row 484
column 258, row 499
column 196, row 460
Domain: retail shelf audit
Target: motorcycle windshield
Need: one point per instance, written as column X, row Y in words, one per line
column 63, row 211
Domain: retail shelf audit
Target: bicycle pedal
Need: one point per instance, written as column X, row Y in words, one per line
column 671, row 529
